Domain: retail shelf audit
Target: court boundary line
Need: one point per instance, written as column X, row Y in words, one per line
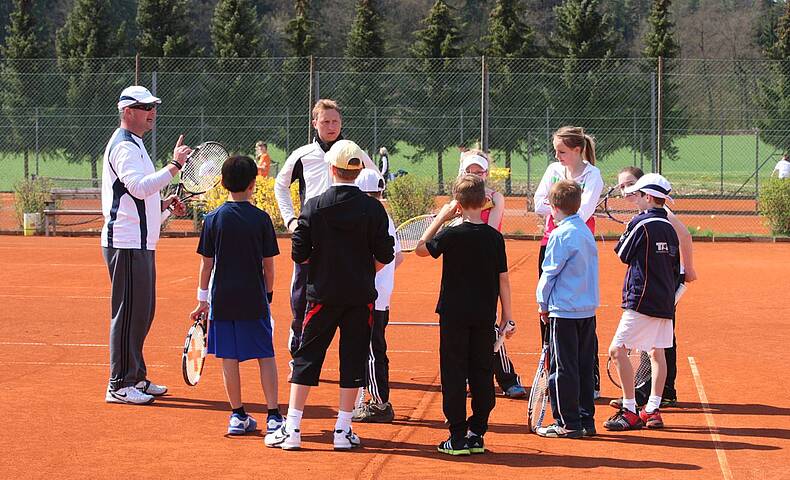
column 712, row 428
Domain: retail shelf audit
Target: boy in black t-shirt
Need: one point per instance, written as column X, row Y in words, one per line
column 474, row 276
column 343, row 234
column 238, row 245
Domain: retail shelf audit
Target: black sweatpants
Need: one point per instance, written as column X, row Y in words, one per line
column 504, row 371
column 298, row 304
column 378, row 368
column 465, row 353
column 596, row 366
column 571, row 363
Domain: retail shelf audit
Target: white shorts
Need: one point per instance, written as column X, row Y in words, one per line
column 642, row 332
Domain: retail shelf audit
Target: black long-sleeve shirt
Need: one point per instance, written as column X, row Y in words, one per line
column 341, row 232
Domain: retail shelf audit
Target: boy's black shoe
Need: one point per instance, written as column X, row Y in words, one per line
column 475, row 444
column 375, row 413
column 454, row 447
column 589, row 431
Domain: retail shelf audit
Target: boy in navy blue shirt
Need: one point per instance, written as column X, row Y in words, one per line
column 238, row 245
column 650, row 247
column 474, row 277
column 567, row 295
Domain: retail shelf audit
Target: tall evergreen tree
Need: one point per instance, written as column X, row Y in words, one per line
column 774, row 96
column 660, row 36
column 22, row 41
column 236, row 30
column 89, row 34
column 365, row 39
column 764, row 27
column 582, row 31
column 163, row 29
column 440, row 89
column 300, row 30
column 508, row 35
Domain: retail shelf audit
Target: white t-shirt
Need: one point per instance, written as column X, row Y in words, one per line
column 783, row 167
column 385, row 278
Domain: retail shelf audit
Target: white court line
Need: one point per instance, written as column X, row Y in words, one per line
column 712, row 428
column 66, row 364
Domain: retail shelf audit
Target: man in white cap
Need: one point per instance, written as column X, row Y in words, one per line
column 133, row 212
column 343, row 234
column 651, row 249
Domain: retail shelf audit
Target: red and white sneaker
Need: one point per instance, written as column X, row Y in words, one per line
column 624, row 419
column 651, row 420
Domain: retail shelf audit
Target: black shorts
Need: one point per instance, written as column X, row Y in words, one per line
column 318, row 329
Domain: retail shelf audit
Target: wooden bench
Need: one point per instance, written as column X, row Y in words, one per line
column 51, row 210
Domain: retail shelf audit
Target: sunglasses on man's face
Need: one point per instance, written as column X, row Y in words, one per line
column 143, row 106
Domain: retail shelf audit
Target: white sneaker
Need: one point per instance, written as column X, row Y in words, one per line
column 284, row 439
column 346, row 440
column 129, row 395
column 149, row 388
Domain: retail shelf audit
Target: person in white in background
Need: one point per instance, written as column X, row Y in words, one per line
column 782, row 168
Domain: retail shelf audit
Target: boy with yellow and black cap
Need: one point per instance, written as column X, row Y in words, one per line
column 343, row 235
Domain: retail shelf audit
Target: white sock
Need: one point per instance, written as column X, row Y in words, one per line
column 653, row 403
column 293, row 421
column 343, row 420
column 629, row 404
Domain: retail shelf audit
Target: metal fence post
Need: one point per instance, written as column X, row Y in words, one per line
column 153, row 131
column 721, row 159
column 202, row 124
column 461, row 116
column 310, row 100
column 287, row 131
column 653, row 120
column 37, row 148
column 660, row 115
column 756, row 169
column 375, row 131
column 484, row 105
column 548, row 138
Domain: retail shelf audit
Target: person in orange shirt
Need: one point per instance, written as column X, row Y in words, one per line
column 264, row 160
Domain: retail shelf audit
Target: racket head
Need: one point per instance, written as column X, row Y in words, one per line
column 194, row 355
column 640, row 364
column 609, row 208
column 539, row 393
column 203, row 168
column 409, row 232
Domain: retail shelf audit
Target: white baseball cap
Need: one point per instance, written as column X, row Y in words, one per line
column 134, row 95
column 346, row 154
column 369, row 181
column 652, row 184
column 469, row 160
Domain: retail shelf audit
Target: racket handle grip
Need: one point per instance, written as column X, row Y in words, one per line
column 501, row 334
column 679, row 292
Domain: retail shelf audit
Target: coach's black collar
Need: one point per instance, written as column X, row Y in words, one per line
column 325, row 146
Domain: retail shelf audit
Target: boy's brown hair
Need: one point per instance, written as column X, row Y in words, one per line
column 566, row 195
column 470, row 191
column 346, row 174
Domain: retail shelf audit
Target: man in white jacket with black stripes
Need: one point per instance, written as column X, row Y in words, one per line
column 133, row 212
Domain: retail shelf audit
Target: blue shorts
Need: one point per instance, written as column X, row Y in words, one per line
column 240, row 340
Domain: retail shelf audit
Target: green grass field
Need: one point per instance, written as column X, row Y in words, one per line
column 697, row 170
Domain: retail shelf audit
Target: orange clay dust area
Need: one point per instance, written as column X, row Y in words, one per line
column 731, row 422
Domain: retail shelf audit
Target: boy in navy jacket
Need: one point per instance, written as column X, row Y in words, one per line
column 650, row 247
column 567, row 296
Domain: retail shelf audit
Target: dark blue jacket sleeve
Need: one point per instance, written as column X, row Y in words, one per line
column 301, row 240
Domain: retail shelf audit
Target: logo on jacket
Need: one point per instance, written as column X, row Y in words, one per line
column 662, row 247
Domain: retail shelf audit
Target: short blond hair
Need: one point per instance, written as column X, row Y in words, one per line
column 566, row 195
column 470, row 191
column 323, row 105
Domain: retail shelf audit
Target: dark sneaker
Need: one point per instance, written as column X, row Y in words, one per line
column 651, row 420
column 516, row 391
column 589, row 431
column 556, row 431
column 454, row 447
column 273, row 422
column 375, row 413
column 475, row 444
column 667, row 402
column 623, row 420
column 238, row 425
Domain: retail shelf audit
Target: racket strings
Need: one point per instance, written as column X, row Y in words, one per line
column 204, row 168
column 409, row 233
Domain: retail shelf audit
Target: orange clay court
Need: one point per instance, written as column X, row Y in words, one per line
column 733, row 421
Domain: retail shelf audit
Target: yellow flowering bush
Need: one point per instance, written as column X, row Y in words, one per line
column 497, row 177
column 263, row 198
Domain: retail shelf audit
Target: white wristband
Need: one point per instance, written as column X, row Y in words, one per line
column 202, row 295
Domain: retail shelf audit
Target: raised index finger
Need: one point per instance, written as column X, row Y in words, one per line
column 180, row 140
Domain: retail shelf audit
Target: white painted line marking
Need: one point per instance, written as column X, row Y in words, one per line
column 65, row 364
column 712, row 428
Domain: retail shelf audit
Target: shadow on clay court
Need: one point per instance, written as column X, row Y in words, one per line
column 737, row 432
column 528, row 459
column 733, row 409
column 656, row 441
column 419, row 387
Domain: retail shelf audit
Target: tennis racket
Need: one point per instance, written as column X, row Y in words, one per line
column 410, row 231
column 539, row 394
column 194, row 355
column 604, row 208
column 640, row 363
column 500, row 336
column 202, row 170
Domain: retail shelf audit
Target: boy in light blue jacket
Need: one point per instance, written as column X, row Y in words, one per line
column 567, row 296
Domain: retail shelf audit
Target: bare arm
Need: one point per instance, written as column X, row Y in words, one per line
column 495, row 217
column 206, row 266
column 504, row 300
column 268, row 273
column 686, row 253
